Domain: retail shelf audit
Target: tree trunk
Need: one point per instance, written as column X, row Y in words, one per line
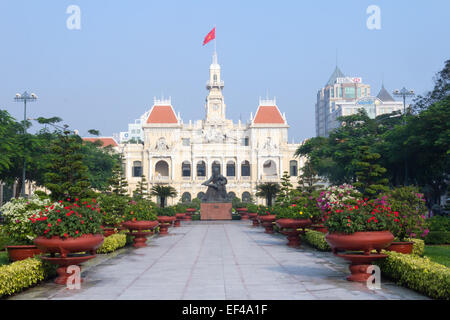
column 269, row 201
column 163, row 200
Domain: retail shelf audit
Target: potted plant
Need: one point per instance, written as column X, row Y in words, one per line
column 331, row 198
column 241, row 208
column 267, row 216
column 408, row 207
column 290, row 219
column 253, row 214
column 140, row 219
column 17, row 226
column 191, row 208
column 166, row 216
column 112, row 208
column 63, row 231
column 180, row 214
column 360, row 227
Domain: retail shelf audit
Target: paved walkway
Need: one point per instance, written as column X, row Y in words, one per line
column 217, row 260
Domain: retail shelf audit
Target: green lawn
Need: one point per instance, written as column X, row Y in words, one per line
column 4, row 258
column 439, row 254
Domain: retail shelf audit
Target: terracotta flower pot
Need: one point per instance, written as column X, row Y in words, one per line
column 189, row 213
column 360, row 241
column 164, row 223
column 253, row 216
column 401, row 247
column 16, row 253
column 243, row 213
column 136, row 230
column 109, row 231
column 84, row 243
column 178, row 218
column 55, row 244
column 267, row 222
column 289, row 228
column 319, row 229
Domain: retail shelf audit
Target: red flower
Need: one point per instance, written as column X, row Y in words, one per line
column 82, row 221
column 49, row 225
column 76, row 232
column 59, row 220
column 66, row 235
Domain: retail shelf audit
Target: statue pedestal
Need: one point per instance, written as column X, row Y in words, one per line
column 215, row 211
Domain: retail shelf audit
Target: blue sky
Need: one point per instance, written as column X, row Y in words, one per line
column 106, row 74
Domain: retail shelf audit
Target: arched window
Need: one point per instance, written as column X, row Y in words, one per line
column 137, row 169
column 231, row 195
column 231, row 169
column 186, row 197
column 293, row 168
column 201, row 169
column 246, row 197
column 245, row 169
column 269, row 168
column 215, row 166
column 186, row 169
column 162, row 168
column 200, row 195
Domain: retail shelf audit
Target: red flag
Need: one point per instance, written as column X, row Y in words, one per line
column 210, row 36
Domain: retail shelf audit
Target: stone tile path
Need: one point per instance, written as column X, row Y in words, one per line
column 217, row 260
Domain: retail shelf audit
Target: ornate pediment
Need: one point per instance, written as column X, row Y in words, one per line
column 162, row 145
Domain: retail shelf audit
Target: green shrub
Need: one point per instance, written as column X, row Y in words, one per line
column 438, row 237
column 112, row 243
column 22, row 274
column 419, row 274
column 195, row 216
column 438, row 223
column 317, row 240
column 418, row 246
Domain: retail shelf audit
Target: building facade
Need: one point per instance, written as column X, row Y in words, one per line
column 183, row 154
column 343, row 96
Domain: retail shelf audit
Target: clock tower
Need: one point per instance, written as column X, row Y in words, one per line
column 215, row 106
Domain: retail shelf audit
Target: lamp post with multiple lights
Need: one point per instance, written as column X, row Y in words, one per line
column 404, row 93
column 24, row 97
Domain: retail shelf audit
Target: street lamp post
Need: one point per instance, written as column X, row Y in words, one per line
column 404, row 93
column 24, row 97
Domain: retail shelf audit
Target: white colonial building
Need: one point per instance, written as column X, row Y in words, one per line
column 182, row 154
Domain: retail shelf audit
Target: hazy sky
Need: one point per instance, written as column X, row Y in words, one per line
column 106, row 74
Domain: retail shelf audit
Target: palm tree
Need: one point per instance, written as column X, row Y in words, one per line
column 268, row 190
column 163, row 192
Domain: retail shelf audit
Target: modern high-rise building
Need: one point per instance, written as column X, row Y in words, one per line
column 343, row 96
column 338, row 88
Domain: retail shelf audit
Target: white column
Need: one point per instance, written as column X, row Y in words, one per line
column 150, row 168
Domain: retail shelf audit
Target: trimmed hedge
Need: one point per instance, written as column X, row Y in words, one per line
column 317, row 240
column 112, row 243
column 22, row 274
column 438, row 237
column 419, row 274
column 418, row 246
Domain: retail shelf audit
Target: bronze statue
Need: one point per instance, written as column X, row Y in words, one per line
column 217, row 191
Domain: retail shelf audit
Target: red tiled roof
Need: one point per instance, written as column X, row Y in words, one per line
column 162, row 114
column 106, row 141
column 268, row 114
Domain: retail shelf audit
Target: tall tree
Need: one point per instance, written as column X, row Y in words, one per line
column 67, row 174
column 308, row 180
column 117, row 182
column 141, row 191
column 284, row 195
column 369, row 174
